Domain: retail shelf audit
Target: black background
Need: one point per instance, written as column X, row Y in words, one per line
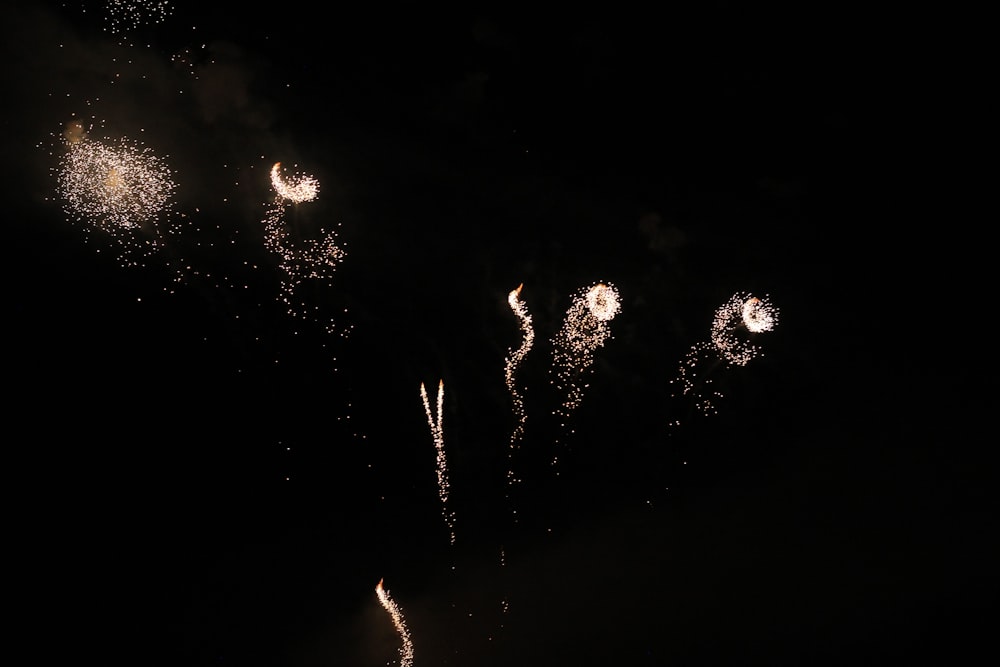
column 196, row 477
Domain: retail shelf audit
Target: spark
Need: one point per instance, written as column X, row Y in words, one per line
column 741, row 316
column 437, row 432
column 120, row 188
column 585, row 329
column 125, row 15
column 753, row 314
column 304, row 260
column 406, row 650
column 513, row 361
column 299, row 188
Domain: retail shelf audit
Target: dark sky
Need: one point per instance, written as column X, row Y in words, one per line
column 199, row 477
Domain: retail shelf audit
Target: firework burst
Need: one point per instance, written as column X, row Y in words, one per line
column 305, row 260
column 735, row 322
column 585, row 329
column 118, row 187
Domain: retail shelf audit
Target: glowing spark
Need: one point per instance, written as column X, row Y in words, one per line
column 298, row 189
column 406, row 650
column 437, row 432
column 124, row 15
column 114, row 187
column 743, row 314
column 308, row 259
column 754, row 314
column 118, row 189
column 585, row 329
column 514, row 359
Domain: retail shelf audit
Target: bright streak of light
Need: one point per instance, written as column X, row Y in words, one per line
column 437, row 432
column 513, row 361
column 585, row 329
column 406, row 650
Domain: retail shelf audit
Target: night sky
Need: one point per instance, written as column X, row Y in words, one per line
column 200, row 477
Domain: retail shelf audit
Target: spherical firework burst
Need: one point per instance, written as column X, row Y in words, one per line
column 115, row 187
column 742, row 311
column 602, row 302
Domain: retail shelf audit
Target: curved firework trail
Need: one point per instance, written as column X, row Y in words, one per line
column 310, row 259
column 585, row 329
column 513, row 361
column 406, row 650
column 741, row 316
column 298, row 188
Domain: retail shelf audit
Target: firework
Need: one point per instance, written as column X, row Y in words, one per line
column 314, row 260
column 125, row 15
column 120, row 188
column 585, row 329
column 735, row 321
column 298, row 188
column 742, row 311
column 435, row 423
column 513, row 361
column 406, row 650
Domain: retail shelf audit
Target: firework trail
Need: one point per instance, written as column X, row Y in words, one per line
column 729, row 341
column 310, row 259
column 585, row 329
column 513, row 361
column 119, row 188
column 434, row 421
column 406, row 650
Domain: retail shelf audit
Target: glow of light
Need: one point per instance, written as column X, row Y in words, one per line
column 742, row 310
column 734, row 321
column 585, row 329
column 759, row 315
column 314, row 260
column 115, row 187
column 437, row 432
column 513, row 361
column 406, row 650
column 297, row 189
column 120, row 188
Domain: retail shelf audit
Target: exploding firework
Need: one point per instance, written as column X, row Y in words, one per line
column 513, row 361
column 434, row 420
column 735, row 321
column 585, row 329
column 298, row 188
column 125, row 15
column 406, row 650
column 302, row 260
column 120, row 188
